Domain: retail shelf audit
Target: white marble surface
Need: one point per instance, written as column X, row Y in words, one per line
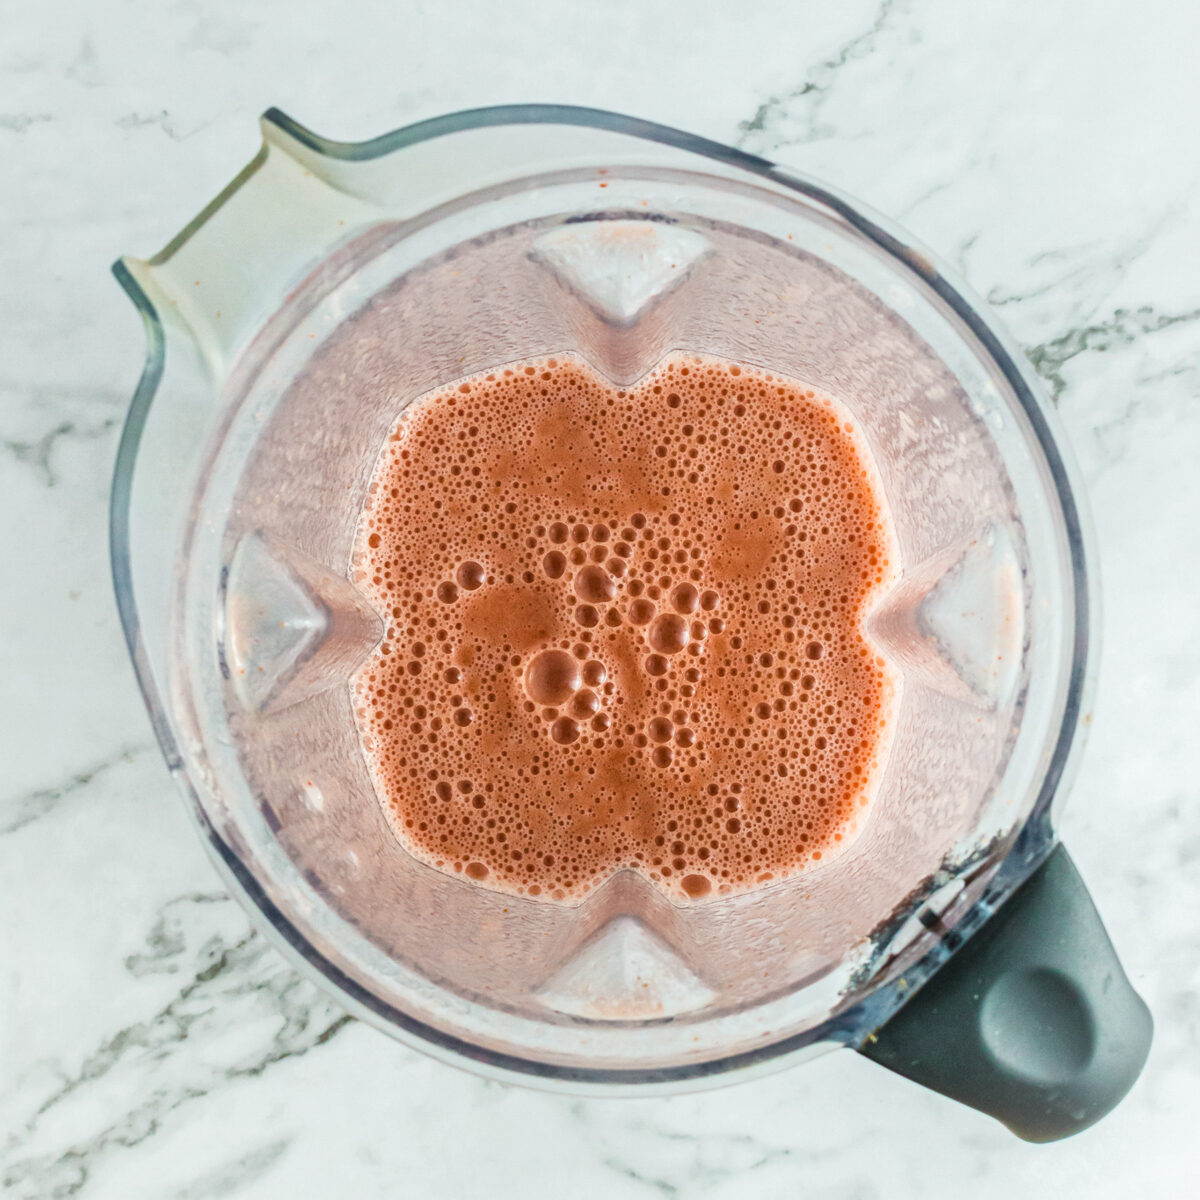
column 150, row 1044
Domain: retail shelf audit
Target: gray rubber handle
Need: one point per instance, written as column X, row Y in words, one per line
column 1033, row 1021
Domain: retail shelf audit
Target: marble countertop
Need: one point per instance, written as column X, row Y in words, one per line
column 151, row 1045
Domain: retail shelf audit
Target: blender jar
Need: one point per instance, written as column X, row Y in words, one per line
column 951, row 941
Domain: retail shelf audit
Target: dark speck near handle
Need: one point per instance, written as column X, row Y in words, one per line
column 1033, row 1021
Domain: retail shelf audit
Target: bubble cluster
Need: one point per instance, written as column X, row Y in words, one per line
column 624, row 628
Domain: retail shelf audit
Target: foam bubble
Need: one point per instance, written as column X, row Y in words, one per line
column 552, row 677
column 594, row 584
column 685, row 598
column 469, row 576
column 669, row 633
column 641, row 611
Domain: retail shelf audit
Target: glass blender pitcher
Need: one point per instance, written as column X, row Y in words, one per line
column 952, row 941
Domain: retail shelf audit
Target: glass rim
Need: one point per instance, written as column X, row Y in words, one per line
column 1032, row 843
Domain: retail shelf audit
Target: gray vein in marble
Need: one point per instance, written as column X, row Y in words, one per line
column 38, row 452
column 1112, row 267
column 664, row 1187
column 84, row 68
column 763, row 129
column 163, row 121
column 1123, row 328
column 998, row 297
column 1112, row 435
column 737, row 1154
column 19, row 122
column 961, row 251
column 935, row 189
column 166, row 941
column 24, row 64
column 234, row 980
column 19, row 811
column 236, row 1174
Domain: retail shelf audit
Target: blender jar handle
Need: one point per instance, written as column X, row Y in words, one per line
column 1033, row 1021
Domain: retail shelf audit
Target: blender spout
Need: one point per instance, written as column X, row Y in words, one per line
column 220, row 278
